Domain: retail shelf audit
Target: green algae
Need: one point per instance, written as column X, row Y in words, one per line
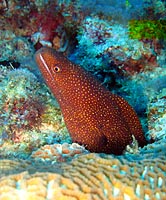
column 147, row 29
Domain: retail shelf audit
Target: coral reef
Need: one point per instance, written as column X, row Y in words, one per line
column 146, row 93
column 102, row 42
column 123, row 44
column 157, row 117
column 153, row 149
column 154, row 9
column 58, row 152
column 13, row 167
column 147, row 29
column 21, row 107
column 16, row 166
column 29, row 116
column 14, row 48
column 119, row 11
column 140, row 89
column 92, row 176
column 45, row 22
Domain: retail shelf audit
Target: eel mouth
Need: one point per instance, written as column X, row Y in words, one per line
column 41, row 60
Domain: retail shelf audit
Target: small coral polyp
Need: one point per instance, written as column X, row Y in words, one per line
column 20, row 103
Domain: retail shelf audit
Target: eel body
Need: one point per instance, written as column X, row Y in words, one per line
column 94, row 117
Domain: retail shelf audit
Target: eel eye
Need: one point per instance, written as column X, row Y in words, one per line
column 57, row 69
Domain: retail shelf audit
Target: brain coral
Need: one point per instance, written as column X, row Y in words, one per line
column 92, row 176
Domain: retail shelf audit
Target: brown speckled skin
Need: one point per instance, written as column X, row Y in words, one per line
column 96, row 118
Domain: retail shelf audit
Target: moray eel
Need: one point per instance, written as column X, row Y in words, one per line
column 94, row 117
